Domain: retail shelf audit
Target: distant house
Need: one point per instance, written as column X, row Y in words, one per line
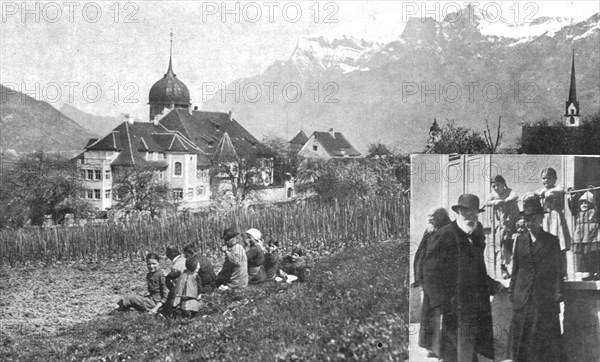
column 180, row 144
column 328, row 145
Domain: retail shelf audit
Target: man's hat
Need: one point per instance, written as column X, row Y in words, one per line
column 532, row 206
column 230, row 233
column 468, row 201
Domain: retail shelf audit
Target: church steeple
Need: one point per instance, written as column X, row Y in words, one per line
column 170, row 70
column 572, row 105
column 169, row 92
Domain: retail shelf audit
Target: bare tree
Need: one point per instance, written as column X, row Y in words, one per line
column 487, row 134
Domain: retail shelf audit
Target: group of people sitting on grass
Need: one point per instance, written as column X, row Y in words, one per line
column 247, row 261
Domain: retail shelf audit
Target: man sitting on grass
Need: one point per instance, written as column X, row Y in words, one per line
column 234, row 273
column 157, row 289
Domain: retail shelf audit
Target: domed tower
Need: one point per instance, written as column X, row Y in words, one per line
column 169, row 92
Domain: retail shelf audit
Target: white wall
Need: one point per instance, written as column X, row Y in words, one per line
column 307, row 150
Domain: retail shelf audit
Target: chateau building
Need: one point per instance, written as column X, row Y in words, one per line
column 178, row 143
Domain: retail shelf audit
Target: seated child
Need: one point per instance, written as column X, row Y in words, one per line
column 157, row 289
column 272, row 260
column 177, row 268
column 298, row 264
column 206, row 274
column 186, row 291
column 585, row 238
column 256, row 257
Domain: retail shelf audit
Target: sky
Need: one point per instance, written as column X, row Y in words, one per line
column 103, row 57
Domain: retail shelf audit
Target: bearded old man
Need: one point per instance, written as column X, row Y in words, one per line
column 455, row 278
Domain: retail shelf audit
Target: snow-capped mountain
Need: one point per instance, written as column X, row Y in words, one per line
column 385, row 81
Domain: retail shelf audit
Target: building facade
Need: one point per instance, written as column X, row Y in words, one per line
column 179, row 144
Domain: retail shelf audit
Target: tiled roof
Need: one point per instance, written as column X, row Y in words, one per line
column 206, row 129
column 110, row 142
column 131, row 139
column 338, row 146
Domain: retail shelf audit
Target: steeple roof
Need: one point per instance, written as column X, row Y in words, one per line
column 169, row 90
column 572, row 90
column 299, row 139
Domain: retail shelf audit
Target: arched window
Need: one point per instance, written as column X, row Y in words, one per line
column 178, row 171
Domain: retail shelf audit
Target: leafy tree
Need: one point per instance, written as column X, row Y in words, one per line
column 455, row 139
column 309, row 172
column 140, row 188
column 378, row 150
column 286, row 161
column 345, row 179
column 40, row 184
column 546, row 137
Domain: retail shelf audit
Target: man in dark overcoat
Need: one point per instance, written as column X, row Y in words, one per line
column 536, row 290
column 456, row 282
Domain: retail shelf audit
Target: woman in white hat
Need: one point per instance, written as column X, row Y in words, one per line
column 256, row 257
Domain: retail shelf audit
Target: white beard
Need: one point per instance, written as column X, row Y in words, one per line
column 467, row 226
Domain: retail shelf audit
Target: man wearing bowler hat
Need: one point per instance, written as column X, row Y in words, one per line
column 234, row 273
column 456, row 281
column 536, row 290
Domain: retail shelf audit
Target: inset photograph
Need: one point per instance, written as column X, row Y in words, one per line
column 504, row 258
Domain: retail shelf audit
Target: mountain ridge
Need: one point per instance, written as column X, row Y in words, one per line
column 372, row 87
column 29, row 125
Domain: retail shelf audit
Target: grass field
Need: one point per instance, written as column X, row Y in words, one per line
column 355, row 307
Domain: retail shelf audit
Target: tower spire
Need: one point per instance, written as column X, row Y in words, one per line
column 572, row 106
column 170, row 70
column 572, row 90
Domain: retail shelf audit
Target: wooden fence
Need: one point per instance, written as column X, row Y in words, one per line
column 314, row 225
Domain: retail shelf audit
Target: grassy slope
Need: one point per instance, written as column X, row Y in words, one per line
column 354, row 307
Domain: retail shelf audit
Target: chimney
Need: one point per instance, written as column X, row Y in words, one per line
column 230, row 115
column 332, row 133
